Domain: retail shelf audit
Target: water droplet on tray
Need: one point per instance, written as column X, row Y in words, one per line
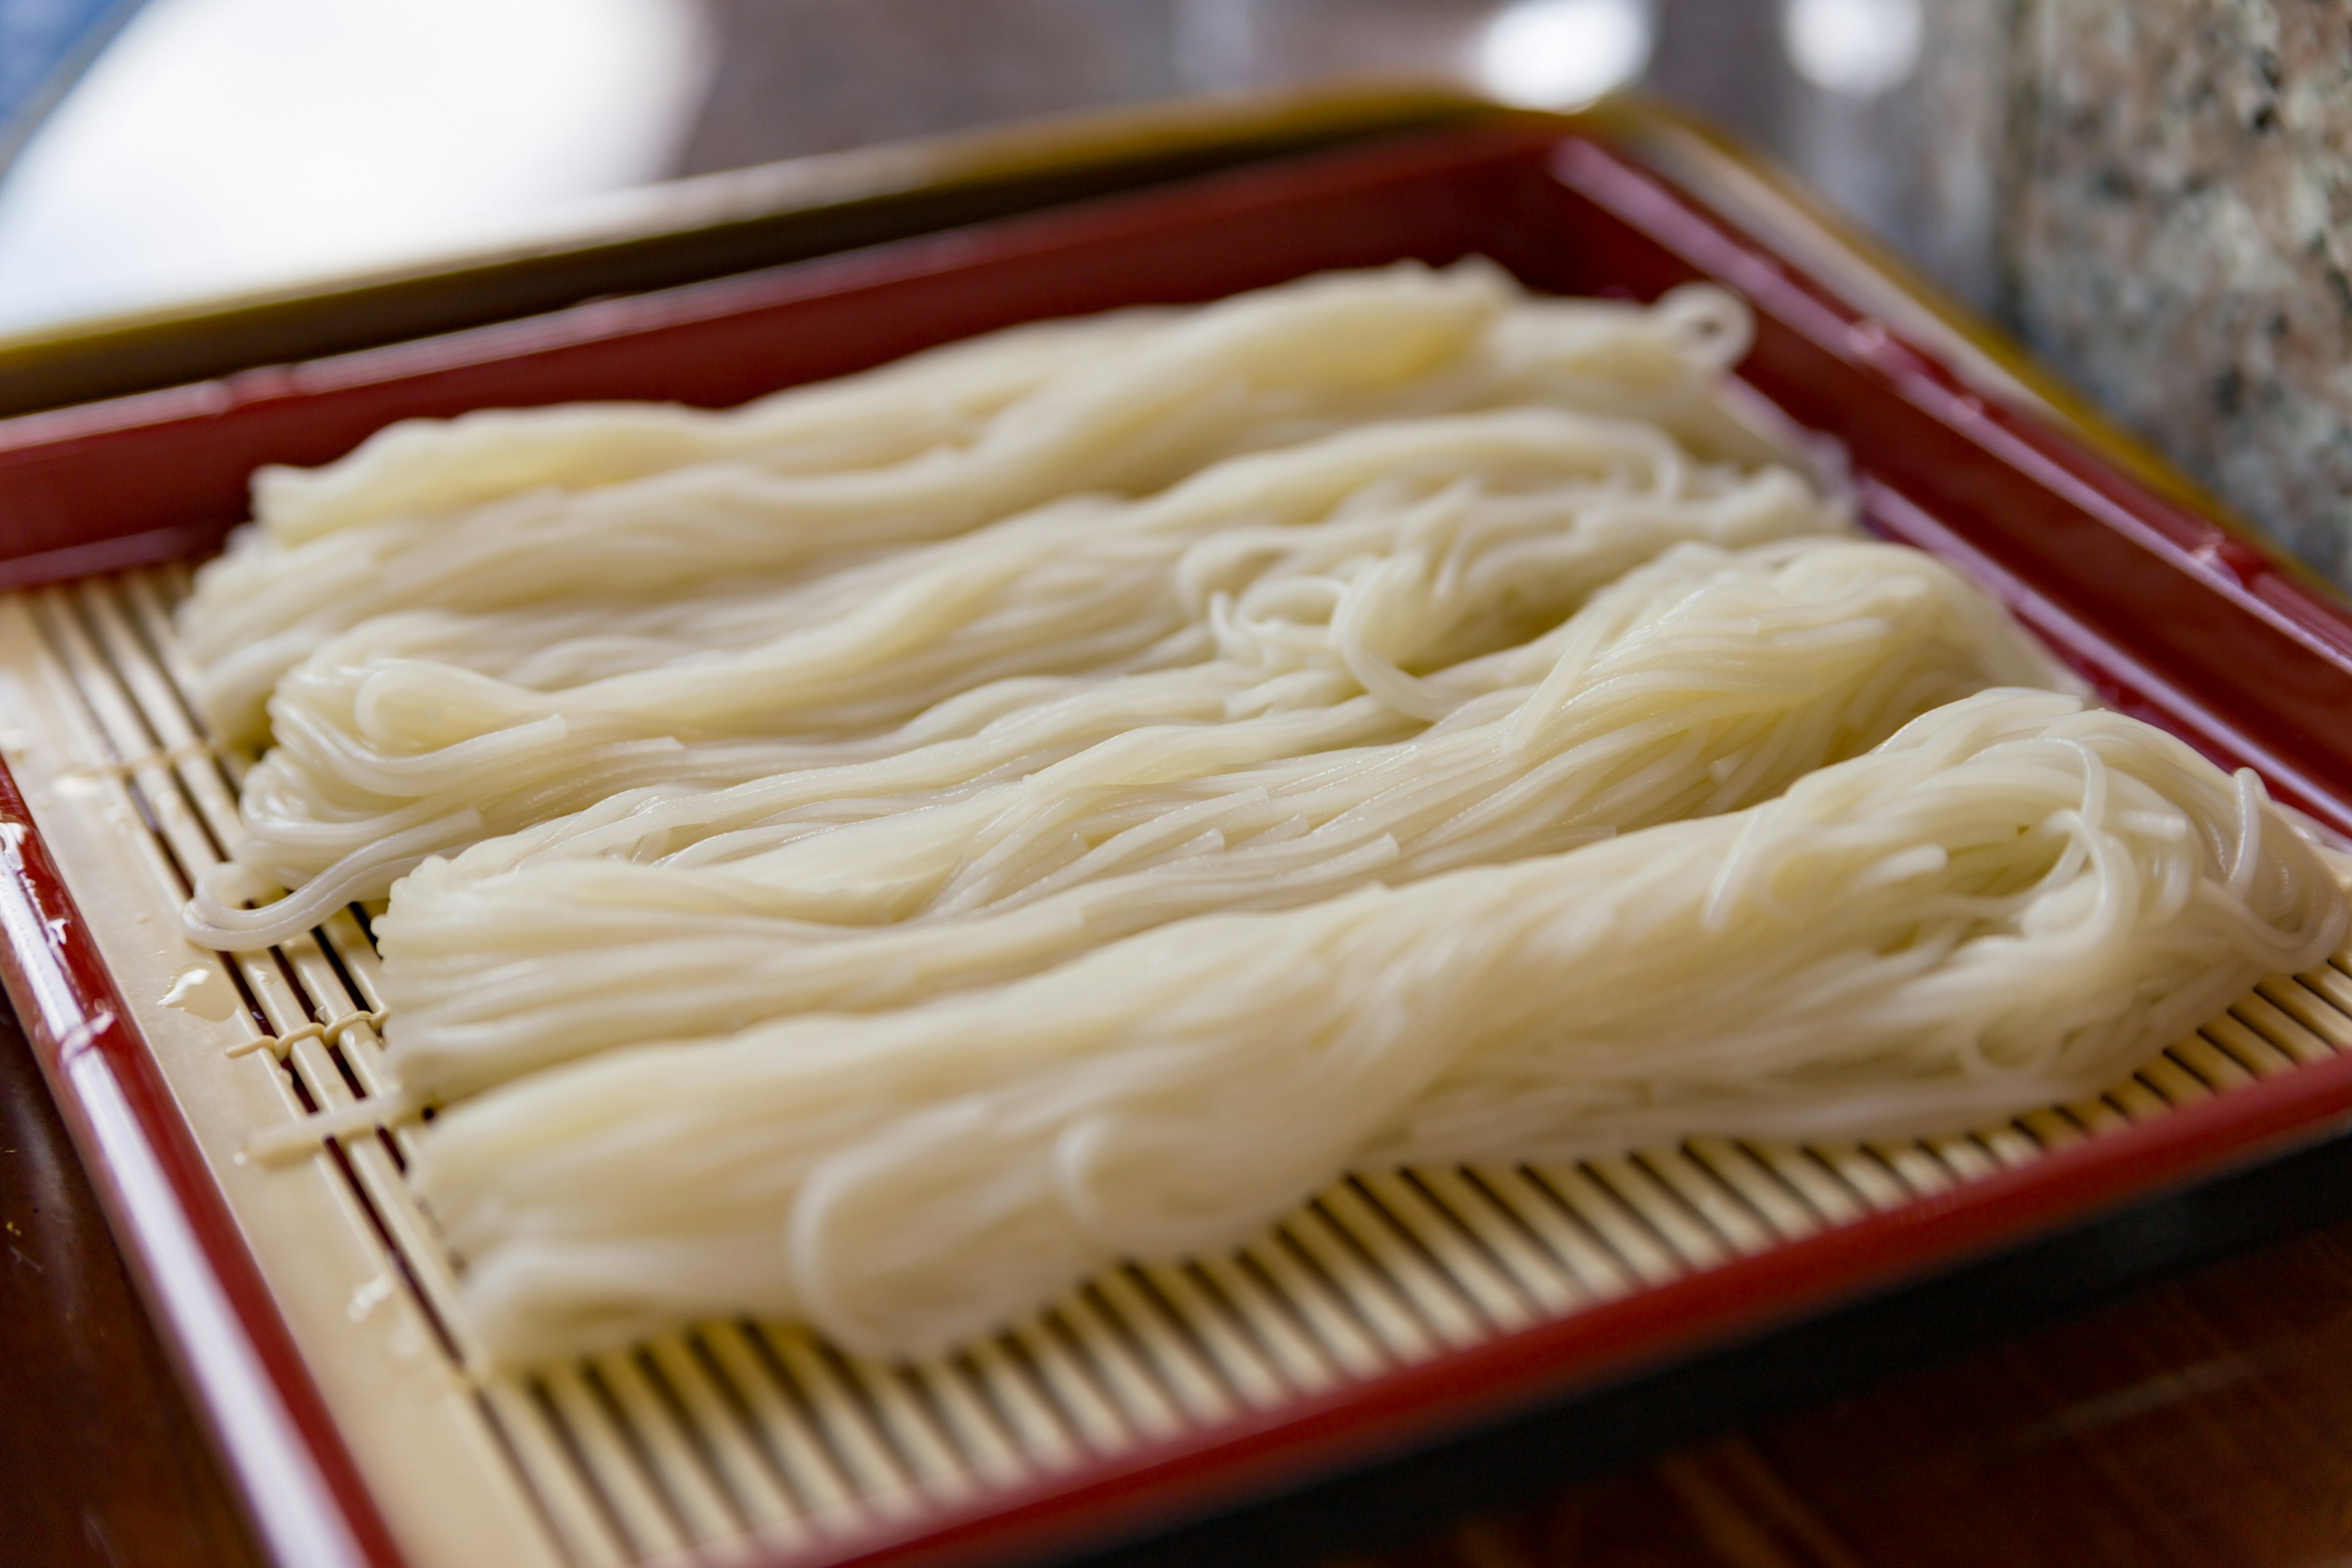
column 202, row 991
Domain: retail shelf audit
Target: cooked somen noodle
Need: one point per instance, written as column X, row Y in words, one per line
column 880, row 855
column 2012, row 902
column 1346, row 562
column 500, row 510
column 1704, row 682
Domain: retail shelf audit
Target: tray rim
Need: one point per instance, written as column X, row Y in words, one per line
column 253, row 1393
column 267, row 1418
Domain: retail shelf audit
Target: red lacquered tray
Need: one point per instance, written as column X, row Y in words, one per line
column 2174, row 619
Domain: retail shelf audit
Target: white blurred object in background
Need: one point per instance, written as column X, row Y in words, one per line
column 229, row 144
column 1559, row 54
column 224, row 145
column 1859, row 48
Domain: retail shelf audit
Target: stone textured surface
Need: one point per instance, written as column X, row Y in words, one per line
column 2169, row 191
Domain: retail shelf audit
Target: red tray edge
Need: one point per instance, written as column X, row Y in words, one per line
column 301, row 1492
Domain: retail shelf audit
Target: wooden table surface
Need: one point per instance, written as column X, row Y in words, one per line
column 2206, row 1424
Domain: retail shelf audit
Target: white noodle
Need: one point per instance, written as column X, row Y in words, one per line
column 1367, row 554
column 1701, row 682
column 881, row 854
column 944, row 396
column 2010, row 902
column 501, row 511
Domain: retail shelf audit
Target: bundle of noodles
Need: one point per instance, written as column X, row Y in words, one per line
column 1347, row 563
column 1702, row 682
column 2010, row 902
column 500, row 510
column 942, row 396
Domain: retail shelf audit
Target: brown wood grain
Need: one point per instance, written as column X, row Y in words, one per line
column 101, row 1462
column 2207, row 1423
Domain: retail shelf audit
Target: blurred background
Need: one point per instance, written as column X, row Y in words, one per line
column 2155, row 194
column 172, row 148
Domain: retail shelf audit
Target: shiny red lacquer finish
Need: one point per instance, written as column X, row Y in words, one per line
column 2175, row 617
column 302, row 1494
